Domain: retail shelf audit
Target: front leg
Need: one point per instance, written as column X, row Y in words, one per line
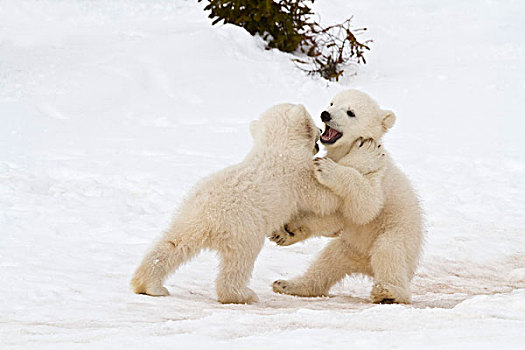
column 285, row 237
column 366, row 156
column 362, row 194
column 328, row 172
column 313, row 197
column 365, row 161
column 345, row 181
column 305, row 226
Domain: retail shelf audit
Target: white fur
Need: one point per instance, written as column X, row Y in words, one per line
column 380, row 220
column 233, row 210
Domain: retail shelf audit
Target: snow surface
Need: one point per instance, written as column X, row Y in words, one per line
column 111, row 110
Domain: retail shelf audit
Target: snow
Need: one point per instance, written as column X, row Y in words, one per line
column 111, row 110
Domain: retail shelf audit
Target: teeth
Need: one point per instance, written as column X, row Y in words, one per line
column 329, row 134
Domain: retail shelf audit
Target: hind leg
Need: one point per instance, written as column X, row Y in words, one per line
column 335, row 262
column 165, row 257
column 237, row 261
column 391, row 271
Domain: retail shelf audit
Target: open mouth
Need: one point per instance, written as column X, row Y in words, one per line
column 330, row 135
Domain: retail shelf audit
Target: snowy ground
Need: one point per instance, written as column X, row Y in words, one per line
column 111, row 110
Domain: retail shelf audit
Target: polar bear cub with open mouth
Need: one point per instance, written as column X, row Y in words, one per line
column 380, row 219
column 233, row 210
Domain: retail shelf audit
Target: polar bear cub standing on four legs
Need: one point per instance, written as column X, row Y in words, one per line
column 380, row 218
column 233, row 210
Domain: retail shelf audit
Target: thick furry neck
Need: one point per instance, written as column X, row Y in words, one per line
column 337, row 153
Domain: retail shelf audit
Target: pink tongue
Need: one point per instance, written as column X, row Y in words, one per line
column 332, row 133
column 329, row 134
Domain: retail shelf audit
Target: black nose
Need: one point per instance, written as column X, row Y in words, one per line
column 325, row 116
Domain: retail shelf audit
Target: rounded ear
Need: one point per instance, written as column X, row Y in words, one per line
column 253, row 127
column 388, row 119
column 303, row 119
column 298, row 111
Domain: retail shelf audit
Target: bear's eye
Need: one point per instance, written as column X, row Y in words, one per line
column 331, row 103
column 350, row 114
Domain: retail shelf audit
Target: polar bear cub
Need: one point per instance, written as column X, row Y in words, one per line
column 380, row 219
column 233, row 210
